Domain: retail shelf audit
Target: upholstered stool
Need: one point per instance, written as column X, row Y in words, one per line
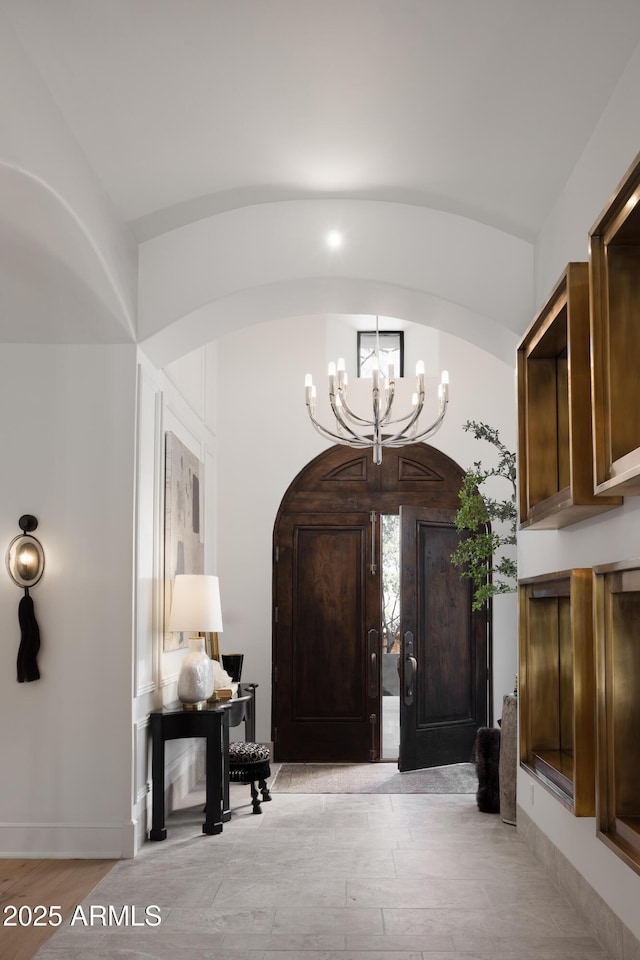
column 248, row 763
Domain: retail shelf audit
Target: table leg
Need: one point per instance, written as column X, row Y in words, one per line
column 157, row 831
column 213, row 815
column 250, row 715
column 226, row 806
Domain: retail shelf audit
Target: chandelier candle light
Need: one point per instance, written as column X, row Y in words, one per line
column 359, row 432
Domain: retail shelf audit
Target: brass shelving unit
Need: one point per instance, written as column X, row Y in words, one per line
column 617, row 617
column 557, row 686
column 555, row 463
column 615, row 338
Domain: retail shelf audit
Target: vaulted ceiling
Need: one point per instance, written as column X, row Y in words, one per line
column 188, row 107
column 226, row 132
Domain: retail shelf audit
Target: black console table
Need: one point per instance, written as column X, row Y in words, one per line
column 174, row 723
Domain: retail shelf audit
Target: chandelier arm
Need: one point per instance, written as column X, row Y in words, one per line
column 355, row 441
column 342, row 393
column 348, row 412
column 375, row 399
column 401, row 436
column 410, row 418
column 391, row 389
column 418, row 437
column 340, row 438
column 342, row 422
column 436, row 423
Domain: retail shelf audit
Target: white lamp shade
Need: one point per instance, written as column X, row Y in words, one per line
column 196, row 604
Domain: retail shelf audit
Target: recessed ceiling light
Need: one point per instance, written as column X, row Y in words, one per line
column 334, row 239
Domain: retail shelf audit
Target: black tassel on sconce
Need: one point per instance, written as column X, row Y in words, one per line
column 25, row 563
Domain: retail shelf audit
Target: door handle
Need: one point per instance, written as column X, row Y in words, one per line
column 372, row 641
column 410, row 668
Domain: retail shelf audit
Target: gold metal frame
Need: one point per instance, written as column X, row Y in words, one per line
column 557, row 686
column 554, row 410
column 614, row 269
column 211, row 645
column 617, row 613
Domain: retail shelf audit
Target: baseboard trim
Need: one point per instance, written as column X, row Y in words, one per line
column 66, row 841
column 606, row 926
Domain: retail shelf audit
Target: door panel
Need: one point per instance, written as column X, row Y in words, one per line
column 328, row 617
column 328, row 601
column 444, row 656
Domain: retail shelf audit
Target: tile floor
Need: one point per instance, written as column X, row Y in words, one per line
column 334, row 877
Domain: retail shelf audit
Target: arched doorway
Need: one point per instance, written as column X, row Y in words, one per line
column 327, row 603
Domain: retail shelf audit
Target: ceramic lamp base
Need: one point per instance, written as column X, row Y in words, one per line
column 195, row 680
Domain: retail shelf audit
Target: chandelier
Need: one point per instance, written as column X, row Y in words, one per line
column 384, row 429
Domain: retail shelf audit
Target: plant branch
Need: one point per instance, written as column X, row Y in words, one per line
column 478, row 551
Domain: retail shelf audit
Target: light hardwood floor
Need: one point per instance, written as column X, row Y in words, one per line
column 50, row 883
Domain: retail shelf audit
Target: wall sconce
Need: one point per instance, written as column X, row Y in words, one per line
column 25, row 563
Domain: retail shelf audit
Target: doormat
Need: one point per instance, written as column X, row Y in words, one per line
column 373, row 778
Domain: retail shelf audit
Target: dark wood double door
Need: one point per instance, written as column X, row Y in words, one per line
column 327, row 613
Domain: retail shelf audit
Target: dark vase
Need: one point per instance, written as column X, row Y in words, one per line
column 232, row 663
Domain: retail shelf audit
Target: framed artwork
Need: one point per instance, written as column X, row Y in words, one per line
column 183, row 526
column 391, row 351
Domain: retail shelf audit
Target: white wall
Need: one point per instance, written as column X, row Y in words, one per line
column 83, row 449
column 67, row 427
column 181, row 400
column 265, row 439
column 69, row 265
column 614, row 535
column 609, row 153
column 68, row 275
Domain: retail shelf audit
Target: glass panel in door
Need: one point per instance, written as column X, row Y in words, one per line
column 390, row 553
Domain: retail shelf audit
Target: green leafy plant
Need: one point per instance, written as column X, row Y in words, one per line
column 482, row 550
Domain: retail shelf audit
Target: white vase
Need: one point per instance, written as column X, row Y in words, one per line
column 195, row 680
